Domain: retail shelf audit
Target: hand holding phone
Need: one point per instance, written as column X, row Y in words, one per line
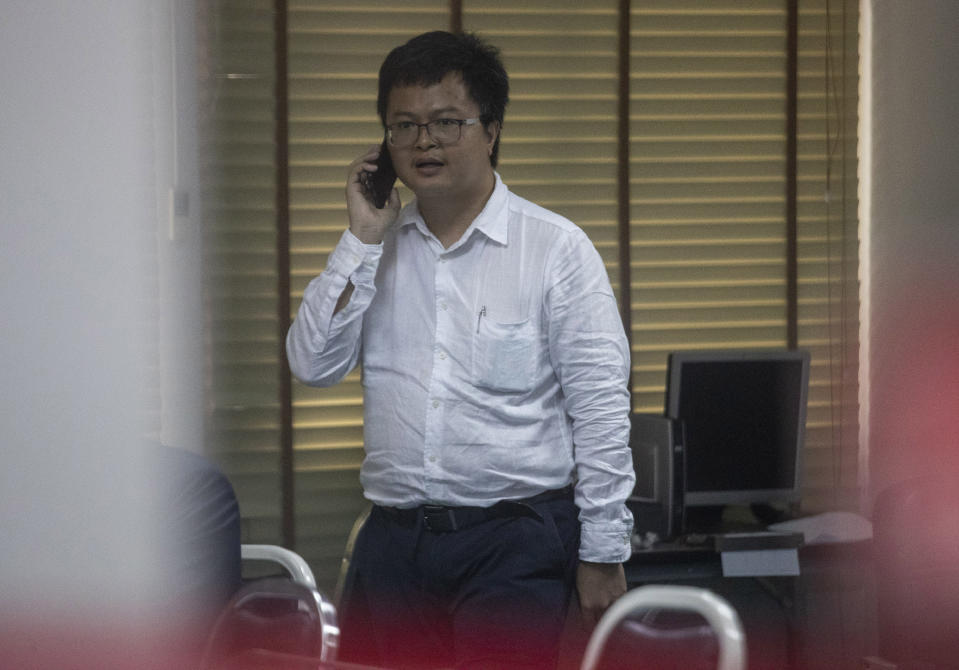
column 379, row 184
column 370, row 203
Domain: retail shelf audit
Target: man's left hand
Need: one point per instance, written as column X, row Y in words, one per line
column 598, row 585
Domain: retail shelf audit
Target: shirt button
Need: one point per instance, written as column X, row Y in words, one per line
column 436, row 403
column 442, row 355
column 432, row 459
column 443, row 306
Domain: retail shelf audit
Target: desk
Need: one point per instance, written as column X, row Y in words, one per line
column 766, row 605
column 665, row 562
column 822, row 619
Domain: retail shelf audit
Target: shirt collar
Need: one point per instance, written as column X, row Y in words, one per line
column 489, row 222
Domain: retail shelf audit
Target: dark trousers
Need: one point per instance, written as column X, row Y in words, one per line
column 490, row 595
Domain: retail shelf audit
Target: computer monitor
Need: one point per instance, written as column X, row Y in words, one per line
column 744, row 417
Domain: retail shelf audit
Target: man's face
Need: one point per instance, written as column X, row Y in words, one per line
column 457, row 170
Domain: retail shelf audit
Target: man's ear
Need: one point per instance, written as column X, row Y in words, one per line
column 492, row 133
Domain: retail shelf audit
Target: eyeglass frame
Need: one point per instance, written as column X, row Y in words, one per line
column 459, row 124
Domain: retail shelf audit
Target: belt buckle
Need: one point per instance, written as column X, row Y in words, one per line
column 439, row 519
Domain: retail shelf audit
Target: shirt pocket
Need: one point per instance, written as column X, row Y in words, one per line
column 505, row 355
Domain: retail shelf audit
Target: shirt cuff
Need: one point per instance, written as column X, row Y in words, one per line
column 355, row 260
column 603, row 543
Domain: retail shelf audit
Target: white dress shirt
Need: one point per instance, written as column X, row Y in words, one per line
column 494, row 369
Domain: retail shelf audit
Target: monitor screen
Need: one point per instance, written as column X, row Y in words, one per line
column 744, row 416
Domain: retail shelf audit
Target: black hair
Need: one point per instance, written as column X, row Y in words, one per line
column 427, row 58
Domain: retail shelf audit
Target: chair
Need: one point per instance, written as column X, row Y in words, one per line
column 722, row 627
column 285, row 616
column 213, row 614
column 348, row 554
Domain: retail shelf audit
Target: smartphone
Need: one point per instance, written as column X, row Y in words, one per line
column 379, row 184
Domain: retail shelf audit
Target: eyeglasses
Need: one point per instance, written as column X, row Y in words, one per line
column 404, row 134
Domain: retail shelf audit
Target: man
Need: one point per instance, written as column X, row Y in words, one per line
column 495, row 383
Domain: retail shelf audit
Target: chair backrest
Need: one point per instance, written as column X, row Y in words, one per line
column 298, row 569
column 661, row 640
column 284, row 615
column 341, row 579
column 196, row 529
column 721, row 638
column 275, row 614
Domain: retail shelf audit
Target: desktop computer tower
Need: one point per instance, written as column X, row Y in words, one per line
column 658, row 459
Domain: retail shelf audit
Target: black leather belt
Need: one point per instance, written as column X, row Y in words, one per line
column 443, row 519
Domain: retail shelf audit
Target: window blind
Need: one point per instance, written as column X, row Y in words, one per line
column 707, row 187
column 239, row 213
column 828, row 248
column 707, row 201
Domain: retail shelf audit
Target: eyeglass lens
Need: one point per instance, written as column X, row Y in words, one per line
column 443, row 131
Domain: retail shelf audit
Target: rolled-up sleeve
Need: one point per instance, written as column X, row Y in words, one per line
column 323, row 345
column 590, row 354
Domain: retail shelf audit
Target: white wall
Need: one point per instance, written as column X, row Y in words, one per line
column 86, row 111
column 179, row 238
column 913, row 263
